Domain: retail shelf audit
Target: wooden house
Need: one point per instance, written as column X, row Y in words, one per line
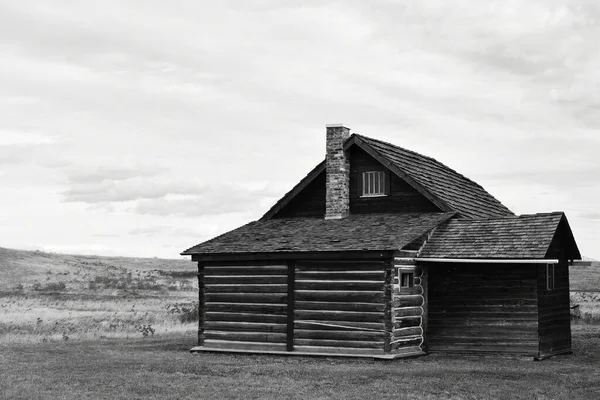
column 382, row 252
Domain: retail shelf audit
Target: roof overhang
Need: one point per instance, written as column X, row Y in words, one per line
column 487, row 261
column 296, row 256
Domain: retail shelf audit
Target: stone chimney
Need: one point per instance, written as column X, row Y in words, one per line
column 337, row 195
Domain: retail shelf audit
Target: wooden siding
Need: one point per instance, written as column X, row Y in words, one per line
column 402, row 197
column 554, row 311
column 339, row 307
column 483, row 308
column 310, row 202
column 245, row 307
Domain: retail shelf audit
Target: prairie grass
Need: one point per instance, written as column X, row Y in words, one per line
column 585, row 307
column 41, row 318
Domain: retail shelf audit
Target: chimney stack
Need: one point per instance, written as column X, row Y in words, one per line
column 337, row 195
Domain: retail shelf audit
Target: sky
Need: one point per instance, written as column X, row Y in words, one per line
column 141, row 128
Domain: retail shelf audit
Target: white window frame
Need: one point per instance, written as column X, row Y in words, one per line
column 373, row 184
column 550, row 277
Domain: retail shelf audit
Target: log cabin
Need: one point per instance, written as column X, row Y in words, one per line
column 382, row 252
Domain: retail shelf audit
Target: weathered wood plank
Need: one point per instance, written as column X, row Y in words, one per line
column 237, row 288
column 337, row 350
column 245, row 326
column 329, row 305
column 247, row 297
column 243, row 317
column 407, row 322
column 407, row 312
column 410, row 331
column 376, row 275
column 407, row 301
column 339, row 343
column 339, row 285
column 247, row 270
column 201, row 304
column 260, row 308
column 232, row 345
column 338, row 325
column 245, row 279
column 340, row 296
column 340, row 335
column 328, row 315
column 247, row 336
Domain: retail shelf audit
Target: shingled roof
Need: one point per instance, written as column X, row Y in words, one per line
column 526, row 236
column 447, row 186
column 372, row 232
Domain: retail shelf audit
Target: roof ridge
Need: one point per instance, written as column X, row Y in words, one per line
column 426, row 157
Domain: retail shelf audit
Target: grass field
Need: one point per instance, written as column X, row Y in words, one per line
column 83, row 327
column 162, row 368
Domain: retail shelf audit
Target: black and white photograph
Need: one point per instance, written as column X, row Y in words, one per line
column 277, row 199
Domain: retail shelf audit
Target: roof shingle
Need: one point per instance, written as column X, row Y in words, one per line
column 460, row 193
column 526, row 236
column 354, row 233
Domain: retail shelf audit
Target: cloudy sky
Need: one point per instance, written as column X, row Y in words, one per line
column 144, row 127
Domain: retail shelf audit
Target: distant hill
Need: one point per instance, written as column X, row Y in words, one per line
column 29, row 270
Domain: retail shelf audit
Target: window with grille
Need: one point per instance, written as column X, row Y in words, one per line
column 373, row 183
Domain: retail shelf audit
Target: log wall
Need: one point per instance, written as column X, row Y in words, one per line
column 245, row 307
column 408, row 310
column 483, row 308
column 339, row 307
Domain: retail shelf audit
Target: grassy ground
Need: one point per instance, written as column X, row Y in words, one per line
column 163, row 368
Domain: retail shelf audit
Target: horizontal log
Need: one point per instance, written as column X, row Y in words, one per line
column 481, row 341
column 232, row 345
column 407, row 341
column 329, row 305
column 340, row 266
column 246, row 270
column 407, row 322
column 245, row 279
column 341, row 275
column 340, row 285
column 339, row 343
column 340, row 296
column 339, row 315
column 236, row 288
column 245, row 317
column 339, row 335
column 407, row 301
column 337, row 325
column 276, row 309
column 402, row 332
column 246, row 297
column 246, row 336
column 398, row 291
column 244, row 326
column 337, row 350
column 407, row 311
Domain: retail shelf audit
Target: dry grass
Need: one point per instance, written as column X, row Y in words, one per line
column 42, row 318
column 585, row 307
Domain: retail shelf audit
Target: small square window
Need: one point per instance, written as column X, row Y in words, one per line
column 407, row 279
column 550, row 276
column 373, row 183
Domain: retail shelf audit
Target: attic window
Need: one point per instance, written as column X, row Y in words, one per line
column 550, row 276
column 373, row 183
